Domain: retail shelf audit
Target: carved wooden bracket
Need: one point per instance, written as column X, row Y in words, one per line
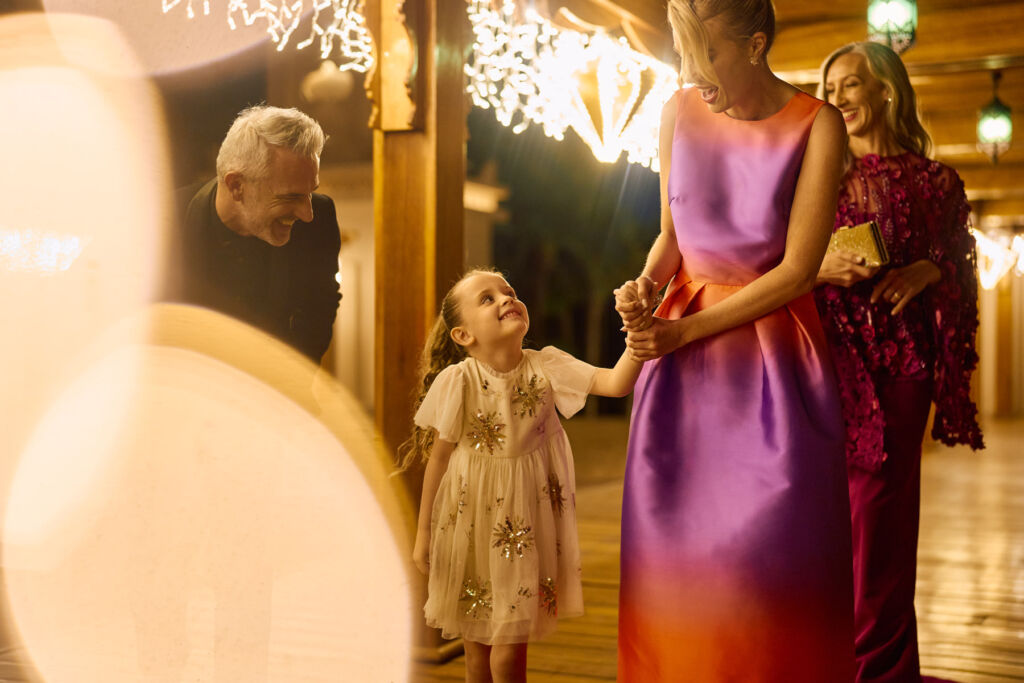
column 397, row 86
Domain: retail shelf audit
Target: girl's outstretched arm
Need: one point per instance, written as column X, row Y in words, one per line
column 437, row 464
column 618, row 381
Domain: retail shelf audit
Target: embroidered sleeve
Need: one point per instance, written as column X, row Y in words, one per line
column 954, row 300
column 570, row 379
column 442, row 406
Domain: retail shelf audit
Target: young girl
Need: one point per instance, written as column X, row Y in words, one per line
column 497, row 523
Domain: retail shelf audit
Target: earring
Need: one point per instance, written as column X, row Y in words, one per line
column 753, row 62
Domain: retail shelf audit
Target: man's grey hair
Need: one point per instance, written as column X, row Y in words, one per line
column 246, row 147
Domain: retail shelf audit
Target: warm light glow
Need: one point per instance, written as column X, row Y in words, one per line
column 32, row 251
column 180, row 514
column 1017, row 247
column 85, row 178
column 338, row 25
column 166, row 500
column 995, row 129
column 994, row 259
column 530, row 71
column 883, row 14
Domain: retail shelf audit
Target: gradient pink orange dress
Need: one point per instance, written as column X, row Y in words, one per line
column 736, row 555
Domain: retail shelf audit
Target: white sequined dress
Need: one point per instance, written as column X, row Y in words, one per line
column 504, row 554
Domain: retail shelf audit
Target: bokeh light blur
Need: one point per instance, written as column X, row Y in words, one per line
column 177, row 503
column 210, row 528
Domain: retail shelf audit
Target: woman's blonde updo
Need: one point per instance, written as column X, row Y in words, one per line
column 690, row 38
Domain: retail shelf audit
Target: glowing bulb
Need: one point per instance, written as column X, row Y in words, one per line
column 893, row 22
column 992, row 129
column 891, row 13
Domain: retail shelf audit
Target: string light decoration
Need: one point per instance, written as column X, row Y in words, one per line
column 338, row 25
column 995, row 259
column 1017, row 247
column 530, row 71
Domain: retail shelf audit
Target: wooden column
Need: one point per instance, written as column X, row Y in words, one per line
column 419, row 163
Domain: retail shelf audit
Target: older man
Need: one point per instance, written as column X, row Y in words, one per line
column 258, row 243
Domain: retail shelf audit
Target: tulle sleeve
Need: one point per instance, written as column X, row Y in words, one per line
column 570, row 379
column 955, row 302
column 442, row 406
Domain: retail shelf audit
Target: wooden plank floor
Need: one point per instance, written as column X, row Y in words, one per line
column 970, row 597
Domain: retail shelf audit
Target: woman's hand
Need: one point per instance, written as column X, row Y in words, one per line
column 844, row 268
column 421, row 551
column 900, row 285
column 663, row 336
column 633, row 301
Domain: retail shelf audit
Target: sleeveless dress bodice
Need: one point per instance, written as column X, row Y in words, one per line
column 736, row 558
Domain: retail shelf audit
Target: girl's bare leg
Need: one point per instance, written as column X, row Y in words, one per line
column 508, row 663
column 478, row 662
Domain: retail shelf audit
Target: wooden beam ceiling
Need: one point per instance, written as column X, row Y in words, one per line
column 958, row 44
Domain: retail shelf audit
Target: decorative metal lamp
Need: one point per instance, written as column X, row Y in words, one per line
column 995, row 125
column 893, row 23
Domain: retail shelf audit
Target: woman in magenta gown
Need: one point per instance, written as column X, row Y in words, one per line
column 902, row 338
column 735, row 523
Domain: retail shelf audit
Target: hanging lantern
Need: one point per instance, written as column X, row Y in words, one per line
column 893, row 23
column 995, row 125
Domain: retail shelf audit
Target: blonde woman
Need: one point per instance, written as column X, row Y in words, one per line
column 735, row 522
column 902, row 338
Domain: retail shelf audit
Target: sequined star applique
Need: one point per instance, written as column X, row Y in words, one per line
column 554, row 492
column 513, row 538
column 523, row 593
column 549, row 596
column 449, row 522
column 463, row 492
column 527, row 397
column 475, row 599
column 486, row 432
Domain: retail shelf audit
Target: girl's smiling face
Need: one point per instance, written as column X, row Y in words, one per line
column 854, row 90
column 490, row 312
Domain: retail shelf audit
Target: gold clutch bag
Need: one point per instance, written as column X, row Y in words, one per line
column 864, row 240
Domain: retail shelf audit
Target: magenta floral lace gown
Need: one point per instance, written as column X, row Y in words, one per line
column 891, row 368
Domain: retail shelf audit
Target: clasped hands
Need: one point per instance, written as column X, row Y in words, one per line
column 898, row 286
column 647, row 336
